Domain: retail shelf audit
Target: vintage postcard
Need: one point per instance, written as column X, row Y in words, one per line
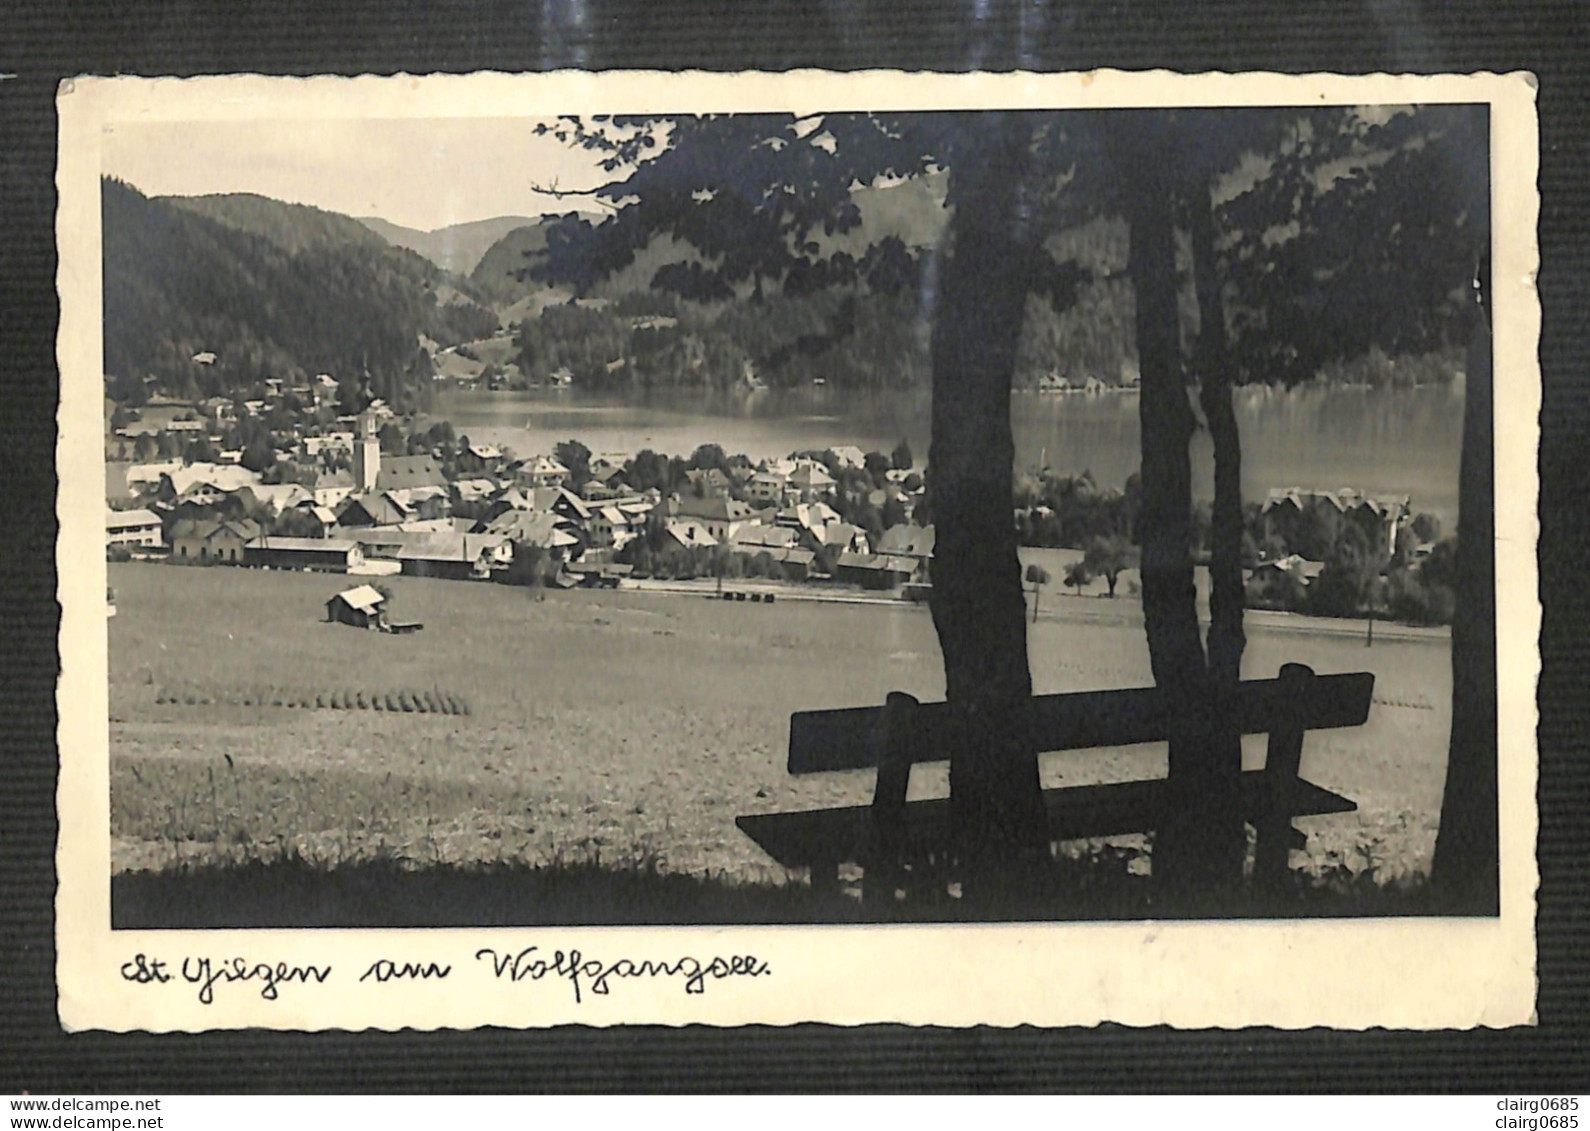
column 685, row 548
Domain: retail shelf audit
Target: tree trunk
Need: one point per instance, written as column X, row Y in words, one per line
column 1464, row 871
column 1170, row 615
column 1227, row 841
column 977, row 600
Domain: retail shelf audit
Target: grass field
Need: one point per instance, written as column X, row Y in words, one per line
column 615, row 727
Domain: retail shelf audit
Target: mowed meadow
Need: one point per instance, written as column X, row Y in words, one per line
column 615, row 730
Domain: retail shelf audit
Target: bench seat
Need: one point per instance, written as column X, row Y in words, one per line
column 818, row 836
column 904, row 733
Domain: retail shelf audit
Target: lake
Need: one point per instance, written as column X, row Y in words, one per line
column 1382, row 441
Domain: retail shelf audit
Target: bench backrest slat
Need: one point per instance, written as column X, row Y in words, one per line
column 846, row 739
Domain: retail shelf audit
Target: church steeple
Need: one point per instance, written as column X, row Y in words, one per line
column 366, row 453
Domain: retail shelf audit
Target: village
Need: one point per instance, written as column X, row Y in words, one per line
column 369, row 494
column 469, row 510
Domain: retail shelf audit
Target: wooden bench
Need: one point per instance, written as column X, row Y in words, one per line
column 904, row 732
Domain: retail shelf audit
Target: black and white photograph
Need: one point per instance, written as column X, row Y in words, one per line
column 1011, row 512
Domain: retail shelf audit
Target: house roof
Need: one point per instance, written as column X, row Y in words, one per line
column 429, row 526
column 762, row 535
column 839, row 534
column 361, row 597
column 206, row 528
column 413, row 496
column 320, row 545
column 877, row 561
column 535, row 528
column 811, row 476
column 691, row 534
column 907, row 538
column 607, row 464
column 127, row 520
column 544, row 465
column 514, row 499
column 223, row 477
column 151, row 472
column 572, row 501
column 452, row 547
column 1344, row 499
column 380, row 508
column 279, row 495
column 474, row 490
column 409, row 471
column 386, row 536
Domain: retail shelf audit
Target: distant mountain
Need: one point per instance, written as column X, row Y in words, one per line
column 271, row 290
column 457, row 247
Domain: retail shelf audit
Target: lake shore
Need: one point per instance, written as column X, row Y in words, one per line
column 1381, row 441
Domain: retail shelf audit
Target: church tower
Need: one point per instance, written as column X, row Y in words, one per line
column 366, row 454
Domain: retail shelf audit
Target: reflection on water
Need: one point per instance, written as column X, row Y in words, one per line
column 1402, row 441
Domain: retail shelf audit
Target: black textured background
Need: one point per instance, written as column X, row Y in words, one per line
column 42, row 41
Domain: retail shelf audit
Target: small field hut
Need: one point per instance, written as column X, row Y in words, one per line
column 359, row 606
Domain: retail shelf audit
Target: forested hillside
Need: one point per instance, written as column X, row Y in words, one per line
column 869, row 333
column 495, row 276
column 271, row 290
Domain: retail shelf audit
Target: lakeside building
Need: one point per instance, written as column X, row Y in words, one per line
column 476, row 458
column 719, row 515
column 811, row 480
column 767, row 487
column 1309, row 521
column 541, row 471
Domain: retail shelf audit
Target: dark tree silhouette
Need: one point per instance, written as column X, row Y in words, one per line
column 1107, row 556
column 1372, row 217
column 577, row 458
column 1466, row 868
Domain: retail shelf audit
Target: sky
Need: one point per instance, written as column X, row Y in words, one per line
column 420, row 173
column 423, row 174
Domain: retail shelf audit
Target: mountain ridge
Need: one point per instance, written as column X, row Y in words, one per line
column 270, row 289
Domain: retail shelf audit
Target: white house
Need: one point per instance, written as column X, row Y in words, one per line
column 132, row 528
